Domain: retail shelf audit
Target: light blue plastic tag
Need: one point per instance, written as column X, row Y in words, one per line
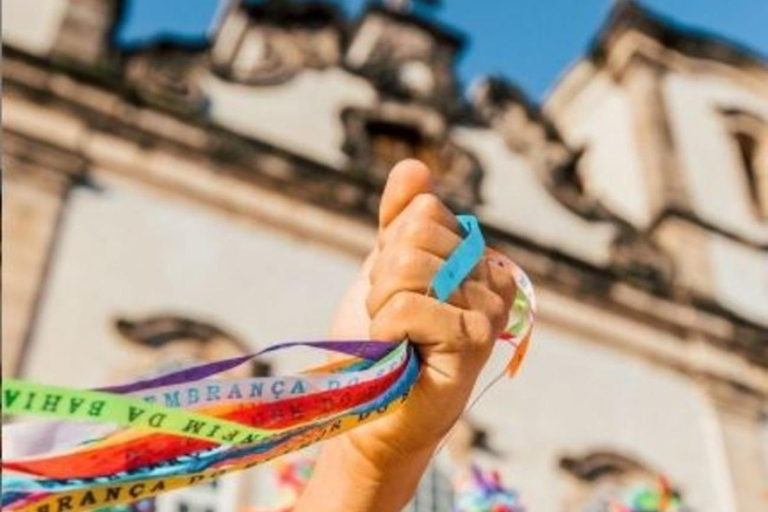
column 461, row 261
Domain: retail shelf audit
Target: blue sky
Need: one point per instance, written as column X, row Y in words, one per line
column 529, row 41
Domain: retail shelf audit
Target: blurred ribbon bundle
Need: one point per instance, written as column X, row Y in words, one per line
column 484, row 492
column 650, row 498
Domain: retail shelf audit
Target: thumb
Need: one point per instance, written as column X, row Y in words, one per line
column 406, row 180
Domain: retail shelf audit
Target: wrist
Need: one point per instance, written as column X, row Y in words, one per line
column 389, row 473
column 354, row 478
column 378, row 457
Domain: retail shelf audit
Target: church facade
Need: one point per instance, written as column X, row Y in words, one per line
column 183, row 201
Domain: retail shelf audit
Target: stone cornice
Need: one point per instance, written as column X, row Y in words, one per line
column 629, row 16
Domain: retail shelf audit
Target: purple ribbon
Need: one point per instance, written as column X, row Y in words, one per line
column 365, row 349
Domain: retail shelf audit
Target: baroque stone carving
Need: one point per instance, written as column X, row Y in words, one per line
column 377, row 139
column 268, row 43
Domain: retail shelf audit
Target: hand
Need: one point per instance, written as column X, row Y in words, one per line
column 377, row 466
column 417, row 233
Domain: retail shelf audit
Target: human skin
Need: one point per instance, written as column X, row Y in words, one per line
column 376, row 467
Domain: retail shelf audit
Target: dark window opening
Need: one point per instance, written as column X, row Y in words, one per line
column 392, row 142
column 570, row 176
column 748, row 150
column 749, row 132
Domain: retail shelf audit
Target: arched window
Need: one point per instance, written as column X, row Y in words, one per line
column 598, row 480
column 164, row 343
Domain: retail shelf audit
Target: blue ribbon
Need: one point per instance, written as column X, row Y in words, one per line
column 462, row 260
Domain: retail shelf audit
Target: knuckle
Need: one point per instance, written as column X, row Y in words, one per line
column 370, row 304
column 388, row 237
column 480, row 272
column 510, row 286
column 502, row 280
column 405, row 260
column 376, row 272
column 427, row 205
column 497, row 308
column 506, row 287
column 413, row 232
column 478, row 328
column 379, row 328
column 400, row 304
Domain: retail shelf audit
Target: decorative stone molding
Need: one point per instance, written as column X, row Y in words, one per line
column 376, row 139
column 602, row 476
column 268, row 43
column 406, row 57
column 168, row 72
column 87, row 29
column 183, row 336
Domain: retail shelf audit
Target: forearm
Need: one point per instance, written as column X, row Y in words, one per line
column 346, row 479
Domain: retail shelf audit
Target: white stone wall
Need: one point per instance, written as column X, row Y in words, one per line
column 600, row 119
column 715, row 179
column 126, row 251
column 302, row 115
column 740, row 277
column 30, row 214
column 516, row 200
column 598, row 115
column 716, row 184
column 33, row 25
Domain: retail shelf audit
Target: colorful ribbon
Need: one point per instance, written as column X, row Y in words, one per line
column 186, row 427
column 126, row 488
column 131, row 451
